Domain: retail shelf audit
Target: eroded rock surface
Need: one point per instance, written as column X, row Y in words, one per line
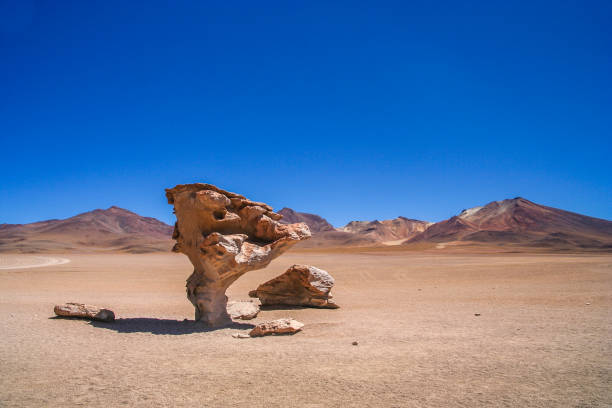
column 280, row 326
column 300, row 285
column 243, row 310
column 225, row 235
column 84, row 311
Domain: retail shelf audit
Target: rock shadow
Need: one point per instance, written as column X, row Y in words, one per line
column 161, row 326
column 293, row 307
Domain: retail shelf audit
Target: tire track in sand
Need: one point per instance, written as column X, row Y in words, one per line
column 24, row 261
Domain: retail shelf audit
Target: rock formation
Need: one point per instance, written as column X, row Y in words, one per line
column 243, row 310
column 300, row 285
column 84, row 311
column 280, row 326
column 224, row 235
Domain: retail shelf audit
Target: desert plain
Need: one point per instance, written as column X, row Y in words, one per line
column 542, row 336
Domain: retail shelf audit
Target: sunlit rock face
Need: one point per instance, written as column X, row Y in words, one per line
column 300, row 285
column 225, row 235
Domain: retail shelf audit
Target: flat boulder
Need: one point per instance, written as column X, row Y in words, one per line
column 243, row 310
column 280, row 326
column 300, row 285
column 84, row 311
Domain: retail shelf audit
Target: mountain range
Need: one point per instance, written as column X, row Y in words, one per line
column 508, row 223
column 520, row 222
column 111, row 229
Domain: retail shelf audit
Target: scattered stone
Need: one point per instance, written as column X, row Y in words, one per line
column 225, row 235
column 241, row 336
column 355, row 343
column 300, row 285
column 280, row 326
column 587, row 303
column 84, row 311
column 476, row 314
column 243, row 310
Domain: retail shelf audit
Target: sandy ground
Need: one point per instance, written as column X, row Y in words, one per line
column 8, row 261
column 543, row 339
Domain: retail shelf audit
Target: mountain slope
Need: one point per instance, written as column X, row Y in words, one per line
column 387, row 230
column 522, row 222
column 314, row 222
column 323, row 233
column 114, row 228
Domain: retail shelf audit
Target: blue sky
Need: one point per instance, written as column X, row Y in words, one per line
column 351, row 110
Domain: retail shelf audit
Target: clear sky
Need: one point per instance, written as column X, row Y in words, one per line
column 351, row 110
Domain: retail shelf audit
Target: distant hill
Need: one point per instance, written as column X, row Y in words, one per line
column 315, row 223
column 511, row 223
column 111, row 229
column 519, row 222
column 388, row 230
column 323, row 233
column 355, row 233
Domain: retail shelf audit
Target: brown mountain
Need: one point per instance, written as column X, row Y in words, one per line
column 110, row 229
column 323, row 233
column 388, row 230
column 314, row 222
column 521, row 222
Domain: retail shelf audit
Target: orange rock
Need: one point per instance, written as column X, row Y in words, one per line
column 300, row 285
column 225, row 235
column 280, row 326
column 84, row 311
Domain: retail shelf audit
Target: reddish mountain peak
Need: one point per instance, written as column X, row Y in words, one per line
column 519, row 220
column 315, row 222
column 112, row 227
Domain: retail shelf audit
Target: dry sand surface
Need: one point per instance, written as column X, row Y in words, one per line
column 8, row 261
column 543, row 339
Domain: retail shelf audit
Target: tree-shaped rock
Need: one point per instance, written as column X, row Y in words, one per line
column 224, row 235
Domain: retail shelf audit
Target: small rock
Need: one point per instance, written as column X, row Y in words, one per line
column 300, row 285
column 243, row 310
column 587, row 303
column 476, row 314
column 355, row 343
column 280, row 326
column 84, row 311
column 240, row 336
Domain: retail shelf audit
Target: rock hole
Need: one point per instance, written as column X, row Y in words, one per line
column 219, row 215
